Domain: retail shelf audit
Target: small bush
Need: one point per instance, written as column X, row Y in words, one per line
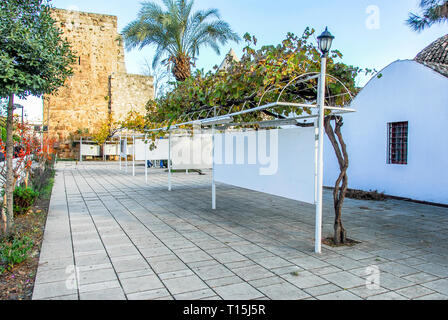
column 365, row 195
column 40, row 178
column 24, row 199
column 14, row 252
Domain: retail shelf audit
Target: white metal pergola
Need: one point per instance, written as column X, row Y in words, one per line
column 224, row 118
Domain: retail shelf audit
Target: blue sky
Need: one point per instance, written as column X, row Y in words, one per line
column 370, row 34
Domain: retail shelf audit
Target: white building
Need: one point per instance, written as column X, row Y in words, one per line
column 398, row 139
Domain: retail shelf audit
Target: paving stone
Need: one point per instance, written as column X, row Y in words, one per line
column 283, row 291
column 195, row 295
column 441, row 286
column 175, row 274
column 129, row 263
column 145, row 283
column 100, row 286
column 135, row 274
column 365, row 292
column 53, row 289
column 149, row 295
column 433, row 268
column 68, row 297
column 239, row 291
column 193, row 256
column 420, row 277
column 434, row 296
column 414, row 292
column 252, row 272
column 287, row 270
column 304, row 280
column 184, row 284
column 397, row 269
column 344, row 279
column 212, row 272
column 339, row 295
column 273, row 262
column 392, row 282
column 168, row 266
column 227, row 257
column 105, row 294
column 344, row 263
column 266, row 282
column 56, row 275
column 94, row 276
column 387, row 296
column 323, row 289
column 213, row 283
column 309, row 262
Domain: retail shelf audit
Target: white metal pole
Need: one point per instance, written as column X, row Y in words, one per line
column 126, row 156
column 320, row 156
column 119, row 151
column 169, row 161
column 213, row 164
column 80, row 149
column 146, row 161
column 133, row 155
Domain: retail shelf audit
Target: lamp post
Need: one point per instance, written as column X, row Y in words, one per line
column 324, row 41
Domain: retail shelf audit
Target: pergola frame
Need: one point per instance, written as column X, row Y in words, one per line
column 213, row 116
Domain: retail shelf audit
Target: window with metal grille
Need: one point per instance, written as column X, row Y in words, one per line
column 398, row 143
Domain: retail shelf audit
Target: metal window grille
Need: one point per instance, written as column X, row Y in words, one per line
column 398, row 143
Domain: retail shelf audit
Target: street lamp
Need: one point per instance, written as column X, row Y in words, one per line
column 324, row 42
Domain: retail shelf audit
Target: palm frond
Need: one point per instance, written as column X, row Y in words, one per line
column 176, row 31
column 433, row 12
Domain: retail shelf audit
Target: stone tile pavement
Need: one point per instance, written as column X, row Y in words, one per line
column 111, row 236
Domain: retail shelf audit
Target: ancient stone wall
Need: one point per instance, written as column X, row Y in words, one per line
column 87, row 98
column 129, row 92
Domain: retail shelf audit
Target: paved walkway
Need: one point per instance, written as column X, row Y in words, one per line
column 110, row 236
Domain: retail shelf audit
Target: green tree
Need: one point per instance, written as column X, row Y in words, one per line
column 433, row 11
column 178, row 33
column 34, row 60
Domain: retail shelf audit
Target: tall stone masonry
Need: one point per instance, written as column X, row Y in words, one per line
column 99, row 86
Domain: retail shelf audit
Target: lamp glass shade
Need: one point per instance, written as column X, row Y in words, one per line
column 324, row 41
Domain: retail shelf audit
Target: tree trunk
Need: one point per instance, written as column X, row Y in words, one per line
column 182, row 68
column 340, row 188
column 9, row 188
column 3, row 221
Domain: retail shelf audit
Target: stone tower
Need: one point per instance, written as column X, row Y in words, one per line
column 100, row 85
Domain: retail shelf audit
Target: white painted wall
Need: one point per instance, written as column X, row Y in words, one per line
column 407, row 91
column 287, row 171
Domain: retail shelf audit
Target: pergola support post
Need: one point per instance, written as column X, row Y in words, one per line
column 146, row 160
column 320, row 157
column 80, row 149
column 213, row 164
column 133, row 155
column 119, row 151
column 169, row 161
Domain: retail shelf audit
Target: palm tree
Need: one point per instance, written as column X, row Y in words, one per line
column 178, row 33
column 434, row 11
